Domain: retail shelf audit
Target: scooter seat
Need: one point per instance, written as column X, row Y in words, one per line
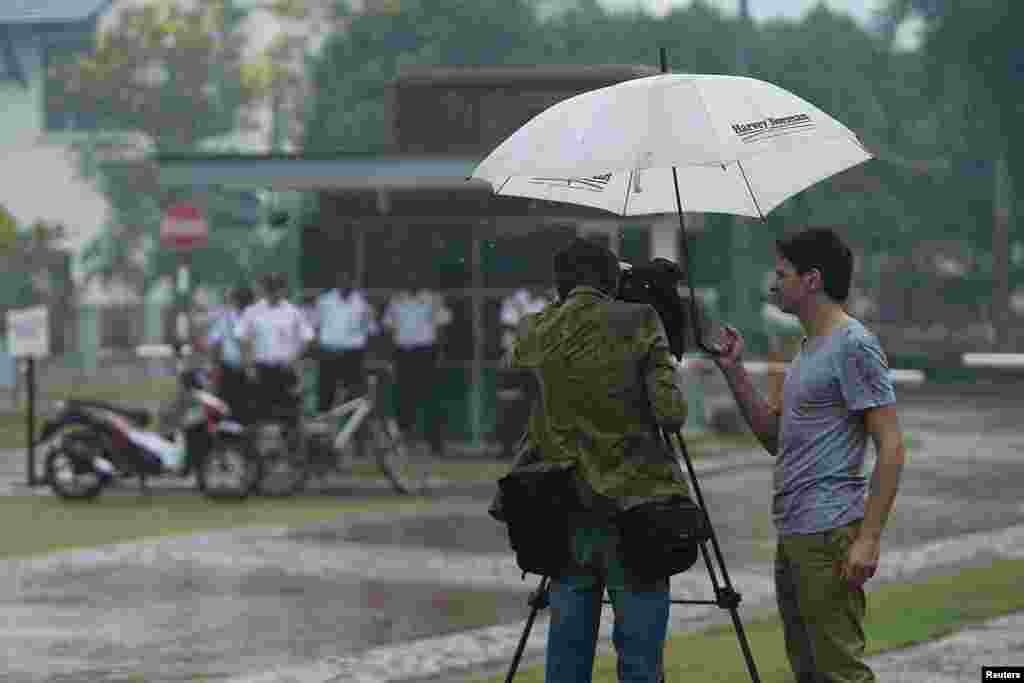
column 140, row 417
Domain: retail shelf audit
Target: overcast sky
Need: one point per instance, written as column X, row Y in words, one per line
column 762, row 9
column 907, row 36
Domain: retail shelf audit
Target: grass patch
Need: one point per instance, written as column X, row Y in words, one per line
column 13, row 427
column 42, row 524
column 153, row 389
column 13, row 424
column 899, row 615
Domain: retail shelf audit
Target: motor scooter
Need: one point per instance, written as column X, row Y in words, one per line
column 89, row 444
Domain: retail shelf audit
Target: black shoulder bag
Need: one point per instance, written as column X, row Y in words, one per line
column 535, row 501
column 662, row 538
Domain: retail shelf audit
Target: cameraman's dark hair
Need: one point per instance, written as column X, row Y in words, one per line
column 585, row 262
column 821, row 248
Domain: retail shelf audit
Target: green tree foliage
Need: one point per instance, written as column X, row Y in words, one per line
column 170, row 72
column 177, row 75
column 351, row 77
column 826, row 57
column 30, row 257
column 974, row 72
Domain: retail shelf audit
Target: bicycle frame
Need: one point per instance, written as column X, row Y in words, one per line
column 359, row 407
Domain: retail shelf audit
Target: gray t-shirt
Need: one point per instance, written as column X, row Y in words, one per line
column 819, row 480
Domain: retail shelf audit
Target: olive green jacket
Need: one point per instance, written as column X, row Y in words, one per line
column 607, row 381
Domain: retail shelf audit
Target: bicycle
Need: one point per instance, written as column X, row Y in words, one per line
column 334, row 447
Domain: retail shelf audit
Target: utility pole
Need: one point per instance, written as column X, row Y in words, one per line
column 742, row 58
column 1002, row 201
column 743, row 307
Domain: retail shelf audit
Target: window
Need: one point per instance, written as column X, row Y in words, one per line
column 10, row 66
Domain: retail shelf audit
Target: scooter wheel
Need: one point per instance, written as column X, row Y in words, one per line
column 70, row 471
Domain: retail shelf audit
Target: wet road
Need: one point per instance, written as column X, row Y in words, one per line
column 223, row 604
column 175, row 622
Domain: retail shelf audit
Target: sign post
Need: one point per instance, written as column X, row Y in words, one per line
column 30, row 421
column 183, row 229
column 28, row 336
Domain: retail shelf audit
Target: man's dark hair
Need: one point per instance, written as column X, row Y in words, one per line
column 821, row 248
column 585, row 262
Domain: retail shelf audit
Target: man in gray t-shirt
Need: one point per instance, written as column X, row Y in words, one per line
column 819, row 479
column 836, row 394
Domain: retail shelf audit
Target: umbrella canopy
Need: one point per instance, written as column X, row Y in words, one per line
column 736, row 145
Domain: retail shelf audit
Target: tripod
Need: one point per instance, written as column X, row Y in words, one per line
column 725, row 596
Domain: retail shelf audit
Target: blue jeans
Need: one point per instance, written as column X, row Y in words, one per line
column 641, row 626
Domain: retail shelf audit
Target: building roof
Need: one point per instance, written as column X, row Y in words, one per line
column 318, row 172
column 50, row 11
column 490, row 76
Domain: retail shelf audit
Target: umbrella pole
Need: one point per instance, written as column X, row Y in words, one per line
column 698, row 333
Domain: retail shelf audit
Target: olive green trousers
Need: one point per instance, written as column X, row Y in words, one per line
column 822, row 616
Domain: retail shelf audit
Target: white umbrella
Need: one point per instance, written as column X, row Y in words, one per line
column 736, row 145
column 674, row 143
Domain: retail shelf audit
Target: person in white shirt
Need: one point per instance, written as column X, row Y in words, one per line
column 512, row 395
column 514, row 308
column 274, row 335
column 345, row 322
column 415, row 317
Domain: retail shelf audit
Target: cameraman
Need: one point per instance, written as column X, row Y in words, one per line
column 607, row 381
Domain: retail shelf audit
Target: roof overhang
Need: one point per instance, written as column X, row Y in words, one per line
column 303, row 172
column 52, row 12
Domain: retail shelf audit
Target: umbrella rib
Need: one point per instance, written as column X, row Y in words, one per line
column 750, row 190
column 507, row 179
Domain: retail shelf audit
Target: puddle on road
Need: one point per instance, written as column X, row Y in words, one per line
column 458, row 532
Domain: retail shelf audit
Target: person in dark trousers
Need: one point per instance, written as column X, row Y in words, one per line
column 344, row 320
column 274, row 336
column 415, row 317
column 836, row 397
column 606, row 380
column 512, row 391
column 226, row 350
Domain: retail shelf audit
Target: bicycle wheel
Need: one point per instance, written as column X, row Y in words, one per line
column 407, row 472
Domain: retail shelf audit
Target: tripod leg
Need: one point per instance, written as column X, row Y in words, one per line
column 538, row 601
column 725, row 595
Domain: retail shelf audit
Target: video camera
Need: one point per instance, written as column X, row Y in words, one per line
column 657, row 283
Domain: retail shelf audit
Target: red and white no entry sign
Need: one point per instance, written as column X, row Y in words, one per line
column 183, row 227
